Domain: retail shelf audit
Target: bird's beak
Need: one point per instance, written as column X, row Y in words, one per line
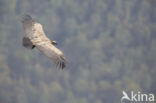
column 54, row 43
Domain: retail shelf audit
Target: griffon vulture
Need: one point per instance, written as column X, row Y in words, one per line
column 35, row 37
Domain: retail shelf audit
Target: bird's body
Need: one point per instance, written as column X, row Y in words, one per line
column 35, row 34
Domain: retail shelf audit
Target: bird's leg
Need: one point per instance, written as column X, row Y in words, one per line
column 54, row 43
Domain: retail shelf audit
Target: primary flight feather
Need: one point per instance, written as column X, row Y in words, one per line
column 35, row 37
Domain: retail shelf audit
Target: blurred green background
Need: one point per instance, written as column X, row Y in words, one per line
column 110, row 46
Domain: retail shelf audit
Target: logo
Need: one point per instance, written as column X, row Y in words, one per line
column 137, row 97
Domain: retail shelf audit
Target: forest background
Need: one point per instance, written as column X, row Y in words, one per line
column 110, row 46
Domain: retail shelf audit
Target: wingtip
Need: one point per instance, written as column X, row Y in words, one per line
column 62, row 63
column 26, row 18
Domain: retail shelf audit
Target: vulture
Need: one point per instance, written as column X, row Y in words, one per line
column 36, row 38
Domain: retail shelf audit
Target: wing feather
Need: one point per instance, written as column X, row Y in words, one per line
column 54, row 54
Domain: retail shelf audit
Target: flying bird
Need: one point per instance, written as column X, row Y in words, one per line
column 36, row 38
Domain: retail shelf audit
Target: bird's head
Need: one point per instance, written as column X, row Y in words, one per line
column 54, row 43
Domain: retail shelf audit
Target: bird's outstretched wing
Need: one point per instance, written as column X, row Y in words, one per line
column 34, row 32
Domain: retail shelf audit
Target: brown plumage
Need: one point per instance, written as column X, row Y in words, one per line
column 27, row 43
column 35, row 37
